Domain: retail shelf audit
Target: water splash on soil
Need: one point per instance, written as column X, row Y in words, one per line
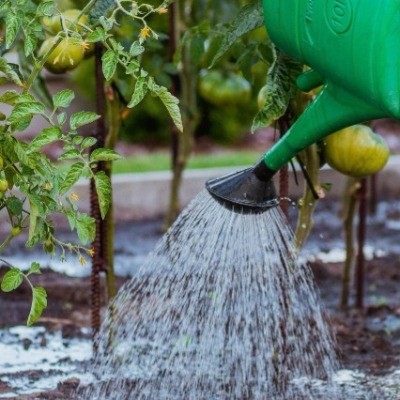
column 221, row 310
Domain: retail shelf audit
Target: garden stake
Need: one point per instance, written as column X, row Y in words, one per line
column 373, row 194
column 325, row 35
column 98, row 244
column 362, row 227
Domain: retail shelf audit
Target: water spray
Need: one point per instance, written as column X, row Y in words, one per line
column 352, row 49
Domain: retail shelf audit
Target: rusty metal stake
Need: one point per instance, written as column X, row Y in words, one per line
column 361, row 235
column 99, row 246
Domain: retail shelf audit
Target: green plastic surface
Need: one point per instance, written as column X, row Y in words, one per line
column 353, row 48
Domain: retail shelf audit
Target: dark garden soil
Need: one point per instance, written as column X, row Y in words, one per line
column 368, row 340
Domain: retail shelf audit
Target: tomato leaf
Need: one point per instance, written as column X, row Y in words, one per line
column 63, row 98
column 280, row 89
column 11, row 280
column 170, row 102
column 250, row 17
column 35, row 268
column 85, row 228
column 82, row 118
column 103, row 188
column 48, row 135
column 139, row 93
column 104, row 155
column 13, row 23
column 73, row 174
column 109, row 65
column 39, row 304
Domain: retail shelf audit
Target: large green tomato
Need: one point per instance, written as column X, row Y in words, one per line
column 356, row 151
column 53, row 24
column 224, row 89
column 65, row 57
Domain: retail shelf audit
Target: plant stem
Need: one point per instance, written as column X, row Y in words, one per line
column 349, row 206
column 308, row 202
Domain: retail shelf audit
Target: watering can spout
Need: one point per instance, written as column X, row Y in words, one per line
column 248, row 191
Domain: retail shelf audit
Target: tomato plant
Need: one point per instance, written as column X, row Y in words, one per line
column 33, row 188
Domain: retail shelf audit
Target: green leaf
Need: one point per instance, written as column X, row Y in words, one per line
column 33, row 218
column 104, row 155
column 249, row 18
column 82, row 118
column 39, row 304
column 14, row 205
column 11, row 280
column 35, row 268
column 101, row 9
column 88, row 142
column 13, row 23
column 62, row 118
column 63, row 99
column 69, row 155
column 11, row 71
column 98, row 35
column 30, row 44
column 9, row 97
column 136, row 49
column 281, row 88
column 170, row 102
column 73, row 174
column 139, row 93
column 46, row 8
column 25, row 110
column 85, row 228
column 48, row 135
column 103, row 188
column 109, row 64
column 196, row 49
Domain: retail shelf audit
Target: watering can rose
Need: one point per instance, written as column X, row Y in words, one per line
column 356, row 151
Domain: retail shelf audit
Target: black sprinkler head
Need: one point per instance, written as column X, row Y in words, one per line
column 248, row 191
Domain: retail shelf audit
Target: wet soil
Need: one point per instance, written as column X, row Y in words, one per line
column 368, row 340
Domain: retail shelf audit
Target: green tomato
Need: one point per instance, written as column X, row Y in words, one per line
column 53, row 24
column 3, row 185
column 222, row 89
column 1, row 162
column 15, row 231
column 356, row 151
column 65, row 57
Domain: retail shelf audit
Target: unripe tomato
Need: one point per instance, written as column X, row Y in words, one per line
column 15, row 231
column 222, row 89
column 53, row 24
column 1, row 162
column 262, row 97
column 65, row 57
column 3, row 185
column 356, row 151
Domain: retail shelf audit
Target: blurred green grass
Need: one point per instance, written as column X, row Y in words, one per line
column 160, row 161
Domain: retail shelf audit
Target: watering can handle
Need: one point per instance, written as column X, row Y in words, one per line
column 333, row 109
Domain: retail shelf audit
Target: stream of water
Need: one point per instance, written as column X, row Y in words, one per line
column 222, row 309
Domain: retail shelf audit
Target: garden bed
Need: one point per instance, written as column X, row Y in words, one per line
column 58, row 347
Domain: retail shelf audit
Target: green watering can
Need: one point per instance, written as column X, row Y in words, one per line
column 352, row 47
